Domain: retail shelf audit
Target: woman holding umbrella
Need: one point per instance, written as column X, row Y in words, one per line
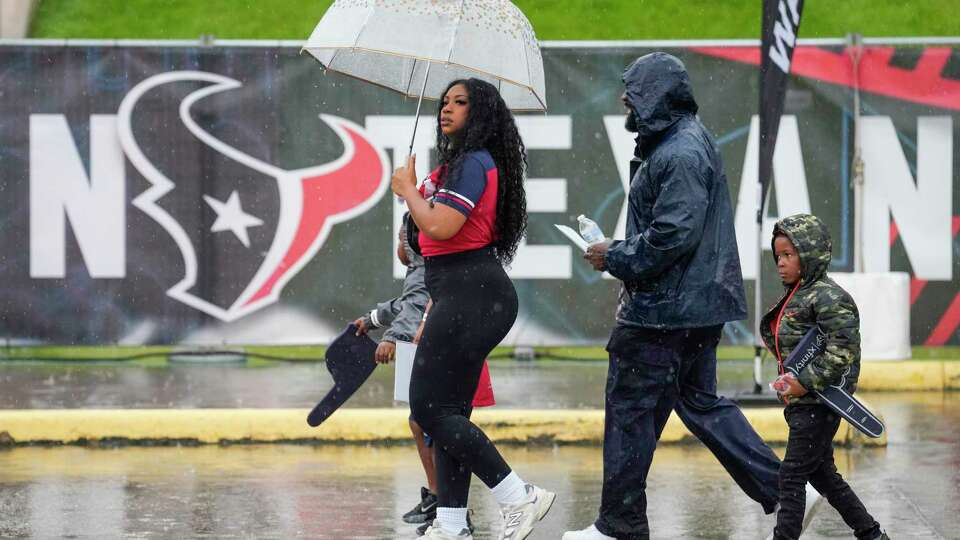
column 471, row 213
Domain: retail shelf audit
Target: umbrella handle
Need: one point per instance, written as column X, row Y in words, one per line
column 416, row 119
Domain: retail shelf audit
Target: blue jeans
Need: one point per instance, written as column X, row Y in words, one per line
column 654, row 372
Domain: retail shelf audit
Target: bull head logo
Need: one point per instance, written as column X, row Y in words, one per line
column 310, row 200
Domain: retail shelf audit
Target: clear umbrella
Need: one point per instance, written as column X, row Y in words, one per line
column 416, row 47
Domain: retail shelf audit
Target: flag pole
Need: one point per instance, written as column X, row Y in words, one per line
column 758, row 295
column 855, row 43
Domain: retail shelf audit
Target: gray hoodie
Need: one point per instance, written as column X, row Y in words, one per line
column 402, row 315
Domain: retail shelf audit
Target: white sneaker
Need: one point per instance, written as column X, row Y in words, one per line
column 810, row 504
column 590, row 533
column 437, row 533
column 519, row 519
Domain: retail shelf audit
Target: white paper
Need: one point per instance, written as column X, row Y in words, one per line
column 574, row 237
column 403, row 367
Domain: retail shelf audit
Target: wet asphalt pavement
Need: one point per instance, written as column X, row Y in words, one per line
column 530, row 385
column 286, row 491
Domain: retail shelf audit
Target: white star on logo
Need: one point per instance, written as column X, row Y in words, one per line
column 231, row 217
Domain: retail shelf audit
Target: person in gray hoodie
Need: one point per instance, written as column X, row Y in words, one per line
column 681, row 278
column 401, row 316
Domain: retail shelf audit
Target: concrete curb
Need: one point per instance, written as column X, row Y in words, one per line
column 220, row 426
column 909, row 375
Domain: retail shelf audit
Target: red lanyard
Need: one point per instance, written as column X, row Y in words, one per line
column 776, row 330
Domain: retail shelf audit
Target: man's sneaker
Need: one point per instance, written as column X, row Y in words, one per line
column 425, row 510
column 811, row 501
column 882, row 535
column 436, row 532
column 519, row 519
column 590, row 533
column 422, row 529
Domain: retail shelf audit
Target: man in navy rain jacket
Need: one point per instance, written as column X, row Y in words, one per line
column 681, row 282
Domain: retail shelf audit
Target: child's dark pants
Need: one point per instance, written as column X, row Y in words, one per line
column 809, row 458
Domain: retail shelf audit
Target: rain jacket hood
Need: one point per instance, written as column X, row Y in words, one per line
column 659, row 92
column 811, row 239
column 816, row 301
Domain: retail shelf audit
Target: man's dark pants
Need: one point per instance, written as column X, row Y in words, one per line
column 654, row 372
column 809, row 458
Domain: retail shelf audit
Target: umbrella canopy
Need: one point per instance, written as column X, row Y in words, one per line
column 416, row 47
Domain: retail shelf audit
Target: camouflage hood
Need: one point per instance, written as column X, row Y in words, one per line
column 811, row 239
column 817, row 301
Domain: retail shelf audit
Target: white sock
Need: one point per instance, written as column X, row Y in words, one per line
column 452, row 520
column 511, row 490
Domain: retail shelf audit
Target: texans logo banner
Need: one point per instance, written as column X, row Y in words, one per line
column 207, row 195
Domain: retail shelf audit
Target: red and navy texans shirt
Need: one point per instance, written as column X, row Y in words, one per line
column 473, row 193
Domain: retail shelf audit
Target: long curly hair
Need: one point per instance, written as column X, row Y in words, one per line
column 490, row 126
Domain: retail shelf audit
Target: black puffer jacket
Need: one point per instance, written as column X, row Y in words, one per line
column 679, row 262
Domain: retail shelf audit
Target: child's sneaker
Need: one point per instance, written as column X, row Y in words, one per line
column 425, row 510
column 519, row 519
column 436, row 532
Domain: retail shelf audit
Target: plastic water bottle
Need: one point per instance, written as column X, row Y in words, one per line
column 589, row 230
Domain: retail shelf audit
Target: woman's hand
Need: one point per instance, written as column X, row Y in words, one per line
column 426, row 310
column 416, row 337
column 386, row 352
column 404, row 179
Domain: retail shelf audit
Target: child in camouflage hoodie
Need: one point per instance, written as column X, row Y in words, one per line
column 801, row 247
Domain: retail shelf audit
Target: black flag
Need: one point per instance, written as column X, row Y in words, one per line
column 781, row 22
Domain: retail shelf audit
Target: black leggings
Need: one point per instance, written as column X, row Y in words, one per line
column 474, row 306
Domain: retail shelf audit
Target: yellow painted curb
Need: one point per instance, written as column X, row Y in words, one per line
column 909, row 375
column 212, row 426
column 951, row 375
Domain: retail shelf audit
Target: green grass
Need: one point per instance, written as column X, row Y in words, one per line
column 140, row 355
column 154, row 356
column 950, row 352
column 551, row 19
